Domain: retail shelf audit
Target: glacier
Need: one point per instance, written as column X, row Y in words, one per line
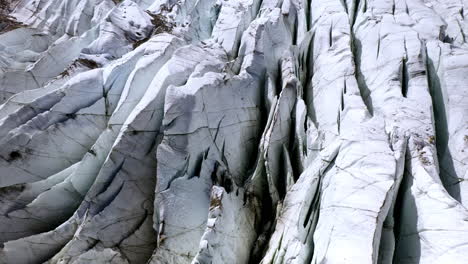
column 234, row 131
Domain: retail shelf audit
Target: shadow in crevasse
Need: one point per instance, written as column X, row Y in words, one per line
column 448, row 174
column 356, row 47
column 408, row 243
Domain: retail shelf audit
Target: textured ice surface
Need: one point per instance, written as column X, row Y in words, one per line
column 234, row 131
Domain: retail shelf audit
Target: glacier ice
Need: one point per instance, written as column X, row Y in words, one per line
column 233, row 131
